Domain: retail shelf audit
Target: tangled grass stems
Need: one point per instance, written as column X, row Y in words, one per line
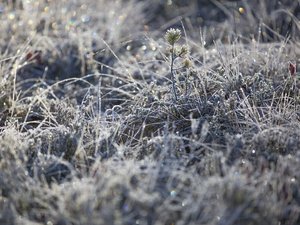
column 119, row 136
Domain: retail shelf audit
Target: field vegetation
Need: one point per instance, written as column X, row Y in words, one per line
column 149, row 112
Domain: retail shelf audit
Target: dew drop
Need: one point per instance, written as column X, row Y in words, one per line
column 128, row 47
column 30, row 22
column 241, row 10
column 144, row 47
column 173, row 193
column 121, row 18
column 11, row 16
column 153, row 46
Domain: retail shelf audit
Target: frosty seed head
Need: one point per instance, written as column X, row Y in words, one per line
column 172, row 36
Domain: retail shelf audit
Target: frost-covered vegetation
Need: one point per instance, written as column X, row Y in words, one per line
column 149, row 112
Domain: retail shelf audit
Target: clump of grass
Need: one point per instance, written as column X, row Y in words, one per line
column 96, row 127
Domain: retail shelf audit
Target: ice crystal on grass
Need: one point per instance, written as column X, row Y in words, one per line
column 91, row 131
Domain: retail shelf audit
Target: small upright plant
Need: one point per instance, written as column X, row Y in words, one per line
column 172, row 36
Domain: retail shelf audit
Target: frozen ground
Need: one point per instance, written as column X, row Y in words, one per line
column 98, row 125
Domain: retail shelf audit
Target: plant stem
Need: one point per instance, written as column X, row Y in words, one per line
column 172, row 73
